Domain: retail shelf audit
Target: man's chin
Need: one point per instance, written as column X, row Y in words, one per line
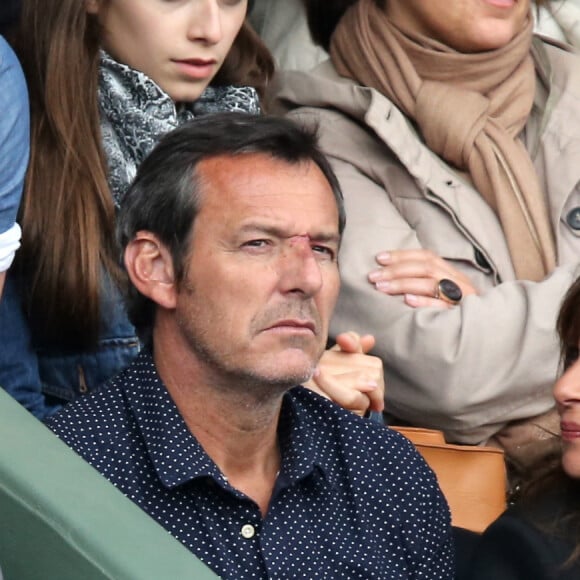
column 290, row 368
column 290, row 377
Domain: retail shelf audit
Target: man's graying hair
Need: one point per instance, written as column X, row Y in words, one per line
column 165, row 196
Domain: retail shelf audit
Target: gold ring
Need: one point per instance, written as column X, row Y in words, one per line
column 448, row 291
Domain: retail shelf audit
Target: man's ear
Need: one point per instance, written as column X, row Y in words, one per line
column 150, row 268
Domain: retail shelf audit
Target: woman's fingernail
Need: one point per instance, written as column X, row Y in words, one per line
column 384, row 258
column 383, row 286
column 374, row 276
column 411, row 299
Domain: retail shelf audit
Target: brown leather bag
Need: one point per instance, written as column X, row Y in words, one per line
column 473, row 479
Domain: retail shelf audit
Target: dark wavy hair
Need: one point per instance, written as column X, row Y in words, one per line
column 549, row 477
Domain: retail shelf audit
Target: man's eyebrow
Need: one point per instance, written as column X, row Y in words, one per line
column 282, row 233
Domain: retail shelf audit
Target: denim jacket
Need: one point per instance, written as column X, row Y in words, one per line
column 43, row 377
column 14, row 147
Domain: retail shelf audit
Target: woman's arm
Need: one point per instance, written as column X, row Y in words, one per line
column 467, row 370
column 18, row 362
column 470, row 369
column 19, row 373
column 14, row 150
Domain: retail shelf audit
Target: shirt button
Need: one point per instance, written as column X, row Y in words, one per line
column 573, row 218
column 248, row 531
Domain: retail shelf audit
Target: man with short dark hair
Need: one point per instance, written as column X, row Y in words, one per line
column 231, row 233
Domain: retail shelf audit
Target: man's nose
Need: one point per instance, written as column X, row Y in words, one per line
column 299, row 268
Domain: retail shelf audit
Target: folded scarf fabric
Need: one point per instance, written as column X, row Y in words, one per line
column 470, row 110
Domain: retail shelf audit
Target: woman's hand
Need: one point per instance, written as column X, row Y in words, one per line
column 350, row 377
column 416, row 275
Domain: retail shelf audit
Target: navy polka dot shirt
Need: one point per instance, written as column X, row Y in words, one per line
column 352, row 500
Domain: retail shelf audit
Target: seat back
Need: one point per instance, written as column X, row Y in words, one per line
column 473, row 479
column 59, row 518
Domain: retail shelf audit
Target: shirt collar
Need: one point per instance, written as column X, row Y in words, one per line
column 302, row 444
column 178, row 457
column 174, row 451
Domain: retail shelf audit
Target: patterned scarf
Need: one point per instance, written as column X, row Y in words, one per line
column 470, row 109
column 136, row 113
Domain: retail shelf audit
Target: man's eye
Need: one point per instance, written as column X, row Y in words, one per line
column 324, row 250
column 255, row 243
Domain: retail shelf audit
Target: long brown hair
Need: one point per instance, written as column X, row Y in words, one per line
column 550, row 477
column 249, row 62
column 67, row 213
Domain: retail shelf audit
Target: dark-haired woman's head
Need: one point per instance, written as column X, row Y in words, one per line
column 567, row 388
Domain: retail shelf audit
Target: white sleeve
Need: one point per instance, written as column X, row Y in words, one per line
column 9, row 243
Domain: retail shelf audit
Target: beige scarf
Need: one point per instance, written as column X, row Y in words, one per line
column 470, row 109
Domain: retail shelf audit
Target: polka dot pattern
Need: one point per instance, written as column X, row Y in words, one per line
column 353, row 499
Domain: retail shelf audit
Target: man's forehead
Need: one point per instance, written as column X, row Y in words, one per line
column 260, row 191
column 252, row 177
column 255, row 167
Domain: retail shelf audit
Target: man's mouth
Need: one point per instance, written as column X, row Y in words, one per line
column 292, row 324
